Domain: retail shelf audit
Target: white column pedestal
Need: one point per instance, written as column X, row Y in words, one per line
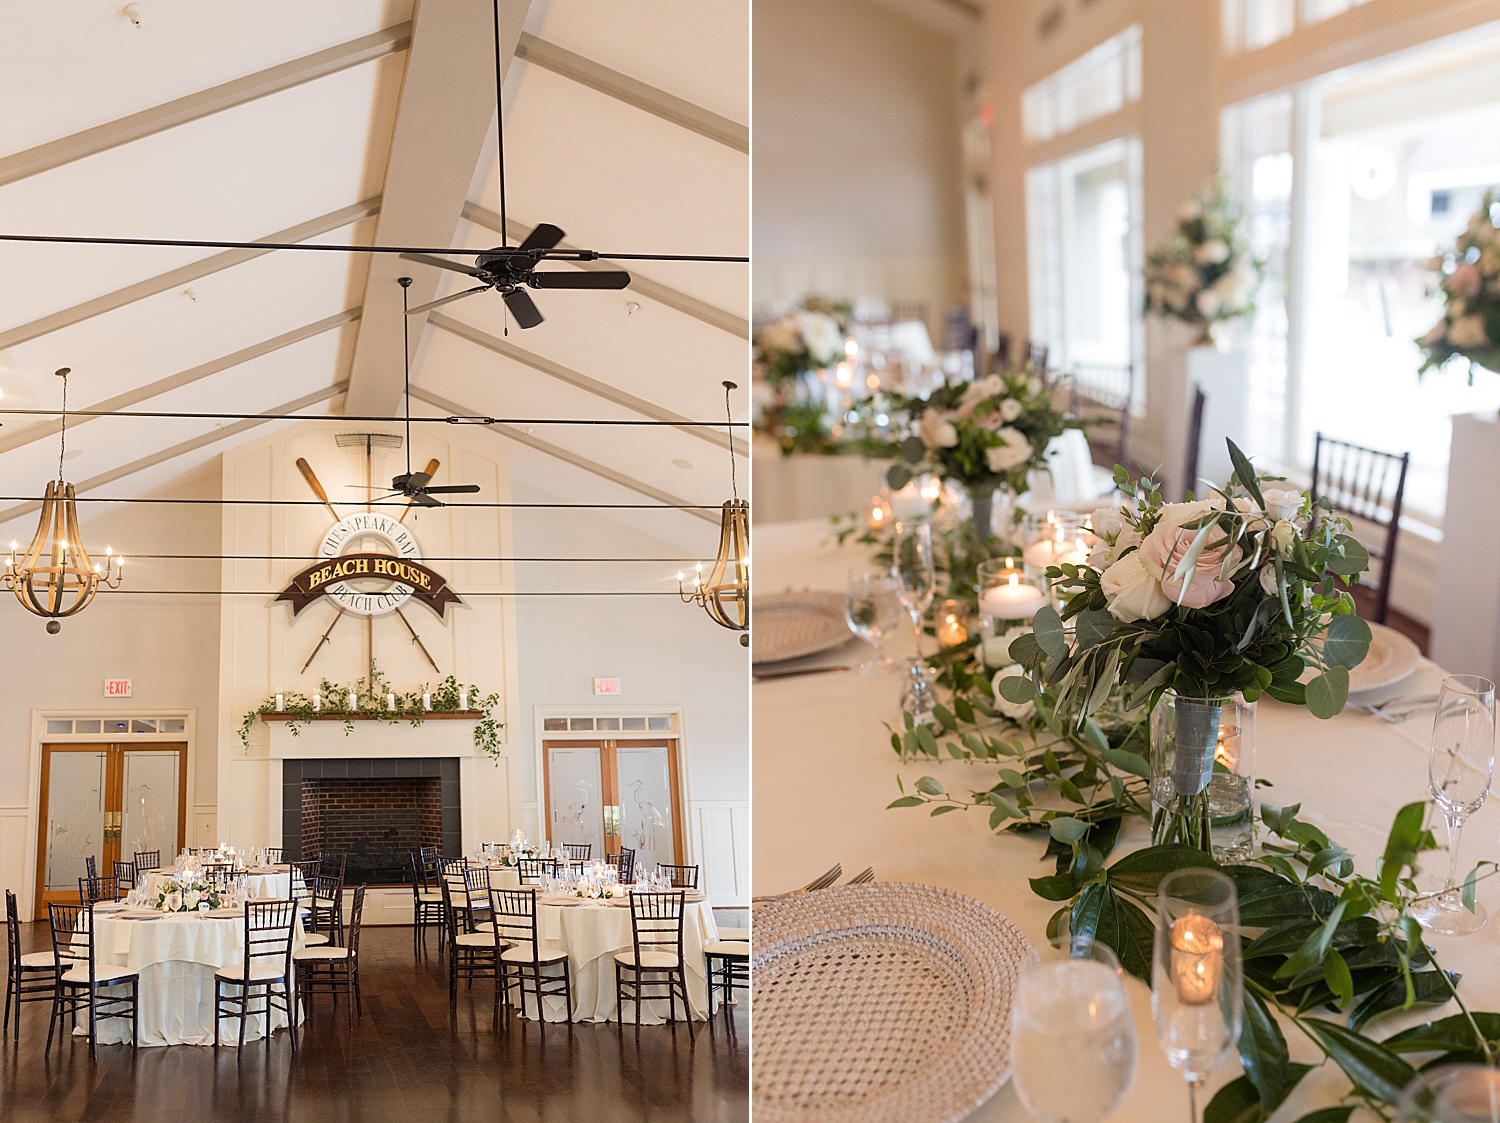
column 1466, row 604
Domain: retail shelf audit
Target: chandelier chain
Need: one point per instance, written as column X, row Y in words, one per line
column 62, row 446
column 729, row 417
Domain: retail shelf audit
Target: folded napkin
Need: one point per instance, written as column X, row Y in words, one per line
column 219, row 914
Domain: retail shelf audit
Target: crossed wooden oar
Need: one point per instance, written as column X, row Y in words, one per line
column 312, row 481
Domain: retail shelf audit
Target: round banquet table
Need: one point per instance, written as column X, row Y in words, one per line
column 1350, row 774
column 176, row 957
column 265, row 884
column 592, row 933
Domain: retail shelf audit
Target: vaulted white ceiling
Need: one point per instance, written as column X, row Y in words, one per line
column 356, row 122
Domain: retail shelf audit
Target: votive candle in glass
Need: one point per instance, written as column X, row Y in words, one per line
column 952, row 623
column 1197, row 958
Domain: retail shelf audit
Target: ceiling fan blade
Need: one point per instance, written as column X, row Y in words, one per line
column 431, row 304
column 411, row 481
column 581, row 279
column 422, row 499
column 452, row 489
column 442, row 263
column 542, row 237
column 522, row 308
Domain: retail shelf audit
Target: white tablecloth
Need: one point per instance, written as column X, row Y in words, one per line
column 824, row 772
column 273, row 885
column 177, row 957
column 591, row 935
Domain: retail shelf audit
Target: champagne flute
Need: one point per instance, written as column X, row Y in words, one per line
column 872, row 605
column 1197, row 984
column 1074, row 1037
column 916, row 575
column 1459, row 769
column 1461, row 1093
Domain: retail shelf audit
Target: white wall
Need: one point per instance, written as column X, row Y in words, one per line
column 168, row 646
column 664, row 653
column 857, row 155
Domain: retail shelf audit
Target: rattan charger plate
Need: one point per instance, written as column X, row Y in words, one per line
column 883, row 1003
column 790, row 625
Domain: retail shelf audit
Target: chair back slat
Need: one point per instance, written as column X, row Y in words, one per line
column 12, row 932
column 147, row 860
column 356, row 918
column 682, row 877
column 578, row 851
column 91, row 889
column 656, row 922
column 624, row 862
column 477, row 890
column 268, row 933
column 333, row 862
column 304, row 877
column 125, row 875
column 515, row 916
column 532, row 870
column 273, row 855
column 1369, row 485
column 1194, row 441
column 72, row 935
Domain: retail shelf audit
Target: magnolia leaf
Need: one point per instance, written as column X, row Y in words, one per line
column 1143, row 870
column 1263, row 1050
column 1327, row 693
column 1236, row 1102
column 1447, row 1035
column 1346, row 642
column 1428, row 989
column 1017, row 689
column 1370, row 1065
column 1314, row 948
column 1059, row 887
column 1336, row 975
column 897, row 476
column 1050, row 635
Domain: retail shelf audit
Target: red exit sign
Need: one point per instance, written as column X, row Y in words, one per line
column 606, row 686
column 117, row 688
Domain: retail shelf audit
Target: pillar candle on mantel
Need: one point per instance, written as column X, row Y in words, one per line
column 463, row 699
column 279, row 706
column 426, row 700
column 317, row 701
column 390, row 702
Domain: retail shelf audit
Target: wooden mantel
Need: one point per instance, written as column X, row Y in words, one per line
column 388, row 715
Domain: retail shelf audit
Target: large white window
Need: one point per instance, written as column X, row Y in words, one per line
column 1094, row 85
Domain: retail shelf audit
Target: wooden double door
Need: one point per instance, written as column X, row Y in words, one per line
column 108, row 802
column 613, row 794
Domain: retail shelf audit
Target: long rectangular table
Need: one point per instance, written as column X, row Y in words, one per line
column 824, row 772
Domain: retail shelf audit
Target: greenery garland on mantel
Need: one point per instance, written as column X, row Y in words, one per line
column 297, row 708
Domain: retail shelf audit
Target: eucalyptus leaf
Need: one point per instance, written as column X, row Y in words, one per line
column 1327, row 693
column 1347, row 641
column 1017, row 689
column 912, row 450
column 1050, row 635
column 1093, row 626
column 897, row 476
column 1348, row 556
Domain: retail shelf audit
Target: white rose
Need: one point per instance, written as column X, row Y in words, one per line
column 1283, row 534
column 937, row 431
column 1132, row 593
column 1107, row 522
column 1207, row 302
column 1268, row 579
column 825, row 343
column 1211, row 252
column 1282, row 503
column 1006, row 707
column 1012, row 454
column 1468, row 331
column 1010, row 409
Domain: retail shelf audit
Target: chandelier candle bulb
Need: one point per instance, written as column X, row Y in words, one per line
column 1197, row 958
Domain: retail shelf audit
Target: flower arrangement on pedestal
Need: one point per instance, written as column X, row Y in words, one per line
column 1470, row 288
column 791, row 354
column 1204, row 274
column 986, row 435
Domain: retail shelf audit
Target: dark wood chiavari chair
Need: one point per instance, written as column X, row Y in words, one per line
column 426, row 904
column 147, row 860
column 578, row 851
column 304, row 876
column 1194, row 443
column 269, row 926
column 1371, row 486
column 88, row 865
column 93, row 889
column 125, row 876
column 273, row 855
column 728, row 963
column 1110, row 387
column 657, row 950
column 334, row 863
column 681, row 877
column 477, row 898
column 521, row 954
column 471, row 955
column 624, row 863
column 79, row 977
column 532, row 870
column 328, row 905
column 325, row 969
column 30, row 976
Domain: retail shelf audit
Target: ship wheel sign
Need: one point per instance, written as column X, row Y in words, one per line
column 339, row 566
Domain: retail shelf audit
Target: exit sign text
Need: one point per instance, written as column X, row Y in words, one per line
column 606, row 686
column 117, row 688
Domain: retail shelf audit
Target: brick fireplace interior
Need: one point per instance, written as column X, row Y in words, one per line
column 376, row 811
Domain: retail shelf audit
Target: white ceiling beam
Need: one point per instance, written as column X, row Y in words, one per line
column 186, row 275
column 204, row 103
column 182, row 448
column 583, row 382
column 622, row 87
column 150, row 390
column 651, row 290
column 447, row 104
column 510, row 432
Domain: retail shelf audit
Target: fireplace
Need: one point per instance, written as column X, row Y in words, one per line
column 377, row 811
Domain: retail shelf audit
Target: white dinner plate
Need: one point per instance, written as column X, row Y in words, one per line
column 790, row 625
column 1392, row 657
column 881, row 1003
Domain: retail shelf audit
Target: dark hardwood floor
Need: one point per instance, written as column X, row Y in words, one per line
column 406, row 1060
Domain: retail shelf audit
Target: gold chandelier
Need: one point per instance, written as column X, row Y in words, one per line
column 725, row 592
column 54, row 576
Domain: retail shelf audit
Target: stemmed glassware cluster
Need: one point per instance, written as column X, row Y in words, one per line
column 914, row 567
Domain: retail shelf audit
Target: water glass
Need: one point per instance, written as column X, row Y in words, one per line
column 1452, row 1094
column 916, row 571
column 1197, row 983
column 872, row 605
column 1073, row 1037
column 1459, row 769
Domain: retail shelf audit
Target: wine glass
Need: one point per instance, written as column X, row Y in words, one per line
column 916, row 575
column 1197, row 984
column 1451, row 1094
column 1459, row 770
column 872, row 605
column 1073, row 1037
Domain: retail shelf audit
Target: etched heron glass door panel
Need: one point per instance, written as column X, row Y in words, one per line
column 575, row 805
column 152, row 800
column 649, row 801
column 74, row 827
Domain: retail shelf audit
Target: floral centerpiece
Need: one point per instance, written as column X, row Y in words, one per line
column 985, row 434
column 185, row 891
column 1470, row 289
column 790, row 355
column 1204, row 274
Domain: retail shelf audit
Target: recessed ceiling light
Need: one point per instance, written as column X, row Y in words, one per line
column 682, row 463
column 73, row 454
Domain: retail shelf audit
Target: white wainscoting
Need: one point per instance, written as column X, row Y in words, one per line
column 13, row 856
column 720, row 843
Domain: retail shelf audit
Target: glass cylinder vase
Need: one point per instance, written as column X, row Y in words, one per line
column 1203, row 774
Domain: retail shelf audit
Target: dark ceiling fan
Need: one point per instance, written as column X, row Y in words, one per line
column 511, row 270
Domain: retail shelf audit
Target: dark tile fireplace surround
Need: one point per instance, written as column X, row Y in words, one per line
column 376, row 810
